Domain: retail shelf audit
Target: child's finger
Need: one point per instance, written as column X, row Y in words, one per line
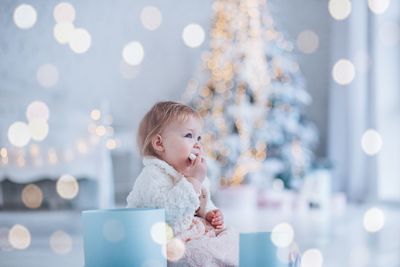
column 216, row 222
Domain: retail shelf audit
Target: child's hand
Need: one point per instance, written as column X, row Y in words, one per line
column 196, row 168
column 216, row 218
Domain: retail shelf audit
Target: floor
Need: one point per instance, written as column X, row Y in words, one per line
column 341, row 237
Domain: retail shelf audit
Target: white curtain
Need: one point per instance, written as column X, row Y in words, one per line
column 370, row 101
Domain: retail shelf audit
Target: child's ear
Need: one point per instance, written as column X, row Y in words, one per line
column 157, row 144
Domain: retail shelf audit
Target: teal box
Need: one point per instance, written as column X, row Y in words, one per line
column 122, row 237
column 257, row 250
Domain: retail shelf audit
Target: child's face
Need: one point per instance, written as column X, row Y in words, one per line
column 180, row 139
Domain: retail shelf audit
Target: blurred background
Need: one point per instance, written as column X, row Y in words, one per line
column 300, row 101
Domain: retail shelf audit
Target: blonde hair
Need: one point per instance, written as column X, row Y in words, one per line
column 156, row 120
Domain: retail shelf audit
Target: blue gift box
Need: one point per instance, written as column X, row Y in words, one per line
column 122, row 237
column 257, row 250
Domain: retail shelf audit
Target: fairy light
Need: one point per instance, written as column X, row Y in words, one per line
column 111, row 144
column 3, row 152
column 19, row 237
column 52, row 156
column 32, row 196
column 67, row 187
column 95, row 114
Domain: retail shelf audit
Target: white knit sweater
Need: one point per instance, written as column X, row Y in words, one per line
column 159, row 185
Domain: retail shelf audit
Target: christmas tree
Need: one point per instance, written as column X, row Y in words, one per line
column 251, row 95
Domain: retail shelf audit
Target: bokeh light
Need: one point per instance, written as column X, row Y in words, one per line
column 18, row 134
column 82, row 146
column 113, row 230
column 67, row 186
column 133, row 53
column 3, row 152
column 25, row 16
column 307, row 41
column 378, row 6
column 60, row 242
column 339, row 9
column 34, row 149
column 371, row 142
column 32, row 196
column 151, row 17
column 193, row 35
column 47, row 75
column 39, row 129
column 282, row 235
column 52, row 156
column 374, row 220
column 37, row 110
column 312, row 258
column 64, row 13
column 111, row 144
column 175, row 249
column 19, row 237
column 63, row 31
column 161, row 232
column 343, row 72
column 100, row 130
column 95, row 114
column 80, row 41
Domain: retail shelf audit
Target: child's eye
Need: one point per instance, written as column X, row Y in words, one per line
column 189, row 135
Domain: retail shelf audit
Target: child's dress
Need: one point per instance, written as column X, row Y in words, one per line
column 159, row 185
